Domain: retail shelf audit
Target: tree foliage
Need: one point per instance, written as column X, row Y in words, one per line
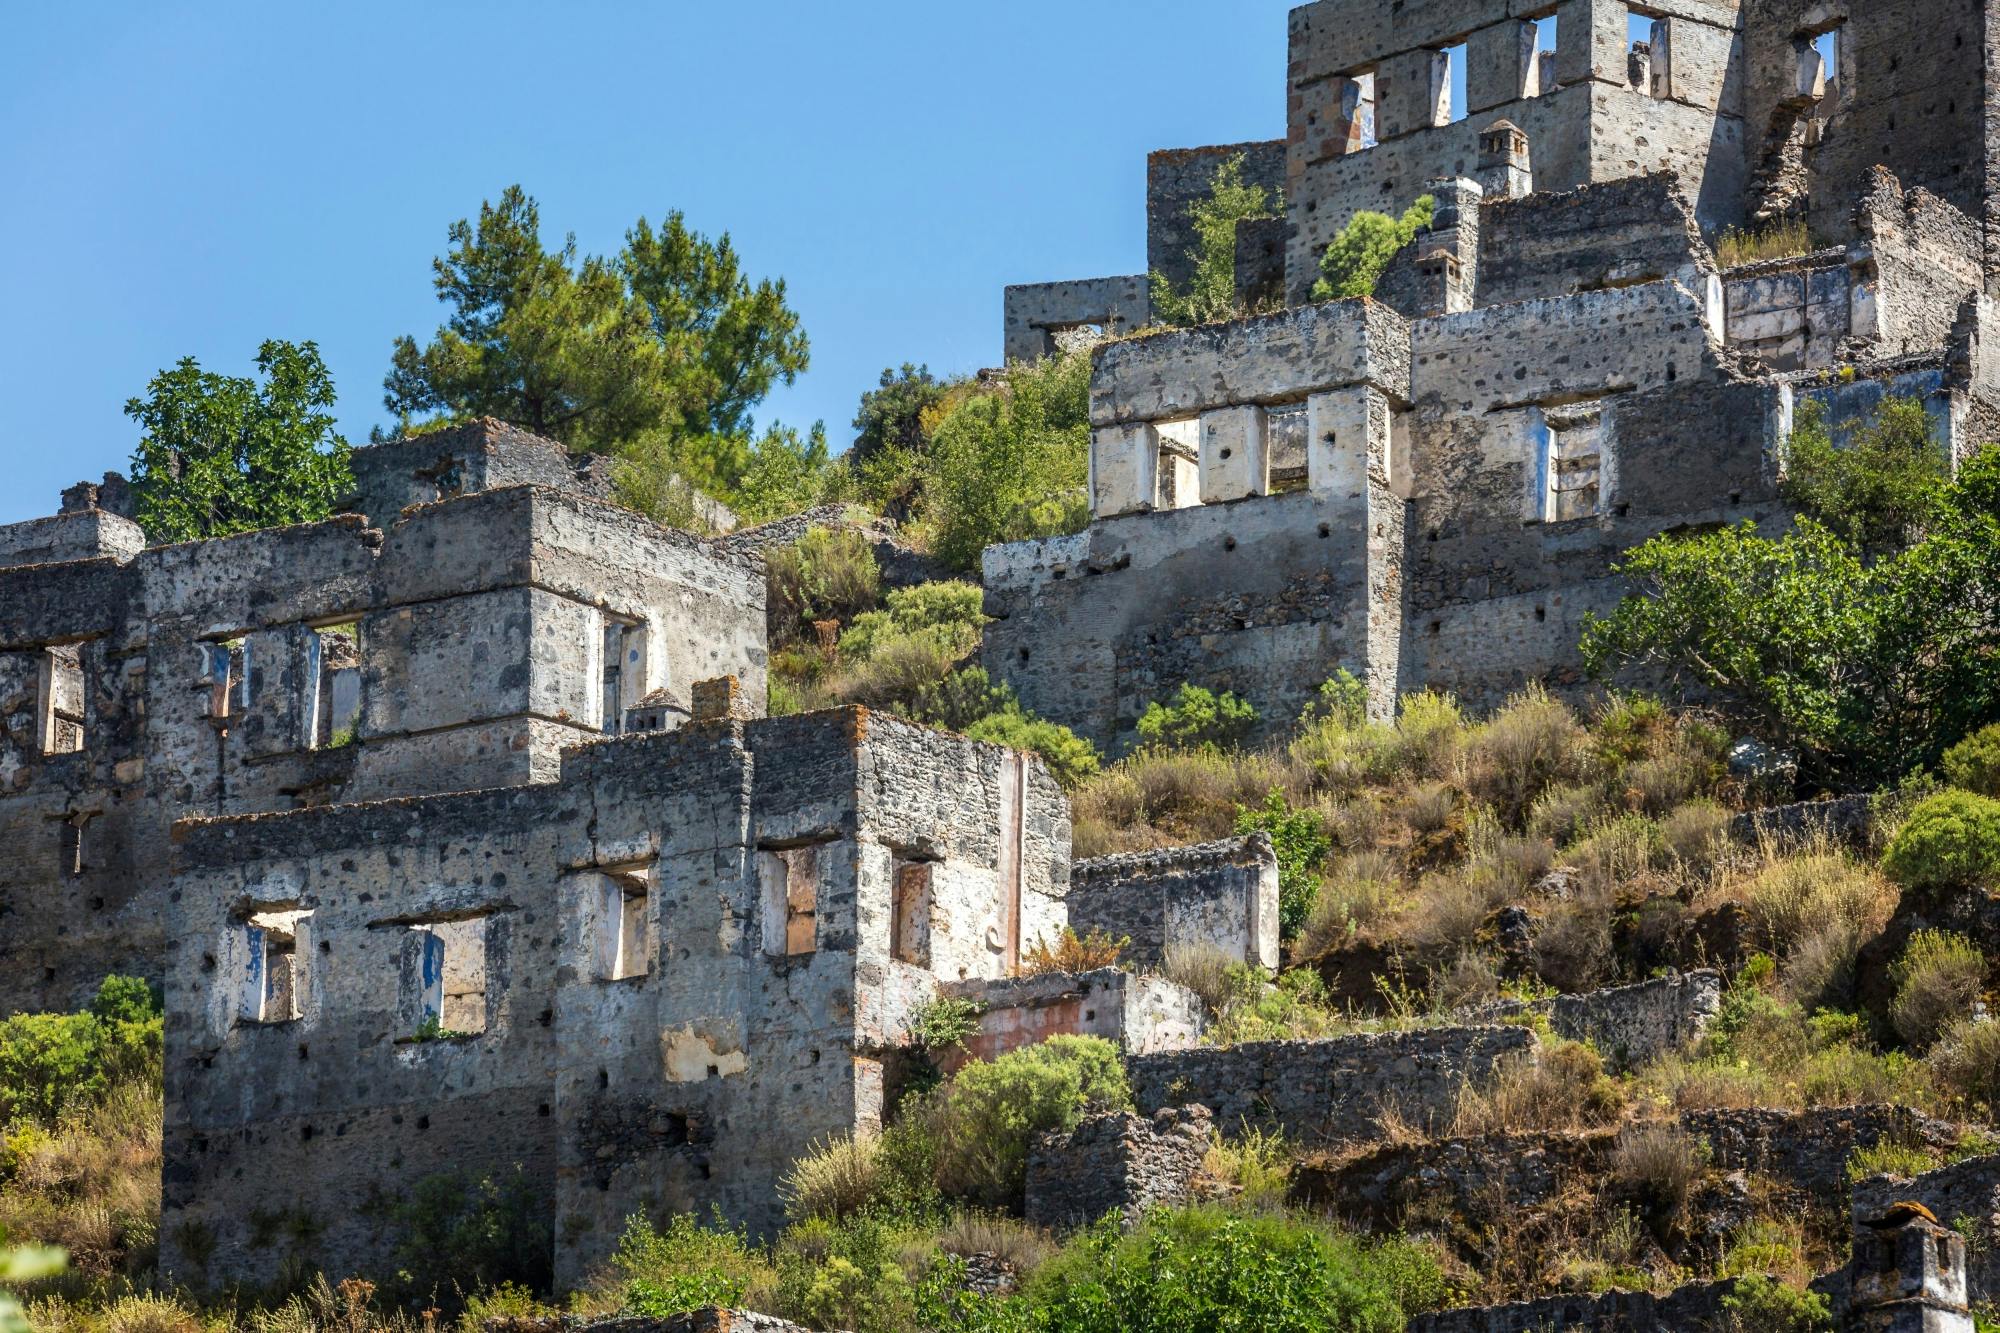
column 1869, row 667
column 663, row 349
column 1211, row 292
column 891, row 416
column 221, row 454
column 1877, row 488
column 1354, row 263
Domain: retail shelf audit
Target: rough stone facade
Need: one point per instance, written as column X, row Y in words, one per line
column 1217, row 895
column 463, row 647
column 646, row 985
column 1116, row 1163
column 1140, row 1014
column 1698, row 1306
column 1335, row 1091
column 1809, row 1150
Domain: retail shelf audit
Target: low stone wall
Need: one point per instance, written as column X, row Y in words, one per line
column 1848, row 819
column 1220, row 894
column 1692, row 1307
column 1117, row 1163
column 1333, row 1091
column 713, row 1319
column 1808, row 1150
column 1966, row 1197
column 1141, row 1015
column 1455, row 1177
column 1629, row 1025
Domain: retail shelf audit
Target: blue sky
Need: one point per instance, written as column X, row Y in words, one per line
column 190, row 180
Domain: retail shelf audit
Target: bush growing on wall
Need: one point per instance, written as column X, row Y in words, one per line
column 1356, row 260
column 989, row 1114
column 1211, row 293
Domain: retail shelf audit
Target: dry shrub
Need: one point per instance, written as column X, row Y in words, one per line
column 1204, row 969
column 1071, row 952
column 835, row 1180
column 1656, row 1166
column 1512, row 865
column 1255, row 1168
column 1361, row 892
column 1696, row 836
column 1470, row 980
column 1430, row 730
column 1796, row 895
column 1010, row 1240
column 1447, row 913
column 1530, row 745
column 1685, row 1084
column 1966, row 1064
column 1195, row 793
column 1563, row 1090
column 145, row 1313
column 1575, row 949
column 1658, row 784
column 1938, row 981
column 1616, row 852
column 1561, row 814
column 1360, row 824
column 893, row 675
column 1819, row 972
column 1428, row 809
column 1334, row 757
column 91, row 1185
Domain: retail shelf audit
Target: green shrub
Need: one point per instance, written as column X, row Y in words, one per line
column 1072, row 760
column 1974, row 763
column 686, row 1267
column 1765, row 1305
column 1357, row 258
column 458, row 1233
column 1890, row 1159
column 1211, row 290
column 848, row 1275
column 1951, row 840
column 828, row 574
column 1206, row 1268
column 1302, row 845
column 836, row 1179
column 963, row 699
column 52, row 1064
column 990, row 1112
column 1197, row 719
column 951, row 615
column 1938, row 981
column 1341, row 700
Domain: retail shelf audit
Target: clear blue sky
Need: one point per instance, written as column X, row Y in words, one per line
column 189, row 179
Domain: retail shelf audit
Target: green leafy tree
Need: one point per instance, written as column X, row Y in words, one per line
column 1197, row 719
column 892, row 415
column 1877, row 489
column 1354, row 263
column 1211, row 293
column 221, row 454
column 1301, row 842
column 664, row 349
column 786, row 473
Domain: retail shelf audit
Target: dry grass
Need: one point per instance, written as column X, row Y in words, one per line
column 1010, row 1240
column 1361, row 892
column 1774, row 240
column 1565, row 1089
column 1202, row 968
column 1561, row 814
column 1792, row 896
column 1255, row 1169
column 835, row 1180
column 1656, row 1166
column 1530, row 745
column 91, row 1186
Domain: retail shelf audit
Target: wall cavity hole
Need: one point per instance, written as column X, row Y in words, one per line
column 1228, row 454
column 423, row 1122
column 1024, row 654
column 1228, row 543
column 1325, row 530
column 305, row 1133
column 543, row 1110
column 603, row 1078
column 1541, row 613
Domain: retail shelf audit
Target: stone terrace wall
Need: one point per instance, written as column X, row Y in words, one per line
column 1692, row 1307
column 1117, row 1163
column 1629, row 1025
column 1329, row 1092
column 1808, row 1150
column 1218, row 894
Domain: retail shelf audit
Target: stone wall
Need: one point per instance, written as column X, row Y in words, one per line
column 1141, row 1015
column 1963, row 1195
column 208, row 681
column 1618, row 233
column 1631, row 1026
column 1221, row 895
column 680, row 967
column 88, row 534
column 1177, row 179
column 1808, row 1151
column 1335, row 1091
column 1036, row 312
column 1692, row 1307
column 1116, row 1163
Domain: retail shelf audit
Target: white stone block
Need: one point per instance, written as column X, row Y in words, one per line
column 1346, row 433
column 1235, row 456
column 1124, row 470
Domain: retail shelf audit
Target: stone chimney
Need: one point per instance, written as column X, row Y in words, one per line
column 1506, row 170
column 1907, row 1275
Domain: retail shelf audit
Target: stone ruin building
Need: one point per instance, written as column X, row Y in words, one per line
column 456, row 835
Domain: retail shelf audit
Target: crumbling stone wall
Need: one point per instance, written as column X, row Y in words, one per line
column 1141, row 1015
column 1116, row 1163
column 206, row 685
column 692, row 972
column 1631, row 1026
column 1217, row 895
column 1180, row 178
column 1696, row 1306
column 1808, row 1151
column 1333, row 1091
column 1036, row 313
column 1618, row 233
column 1963, row 1195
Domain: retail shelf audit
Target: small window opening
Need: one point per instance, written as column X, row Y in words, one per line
column 1542, row 79
column 910, row 922
column 61, row 710
column 216, row 671
column 69, row 846
column 333, row 675
column 1451, row 99
column 273, row 976
column 1819, row 68
column 449, row 971
column 1354, row 113
column 790, row 878
column 624, row 683
column 625, row 922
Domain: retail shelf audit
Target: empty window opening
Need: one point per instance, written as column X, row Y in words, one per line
column 624, row 682
column 1546, row 31
column 447, row 966
column 1569, row 474
column 1453, row 97
column 215, row 676
column 273, row 974
column 625, row 922
column 1820, row 68
column 1353, row 112
column 61, row 712
column 790, row 880
column 69, row 846
column 333, row 682
column 910, row 921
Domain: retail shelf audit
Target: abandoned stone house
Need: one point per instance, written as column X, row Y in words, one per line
column 1430, row 488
